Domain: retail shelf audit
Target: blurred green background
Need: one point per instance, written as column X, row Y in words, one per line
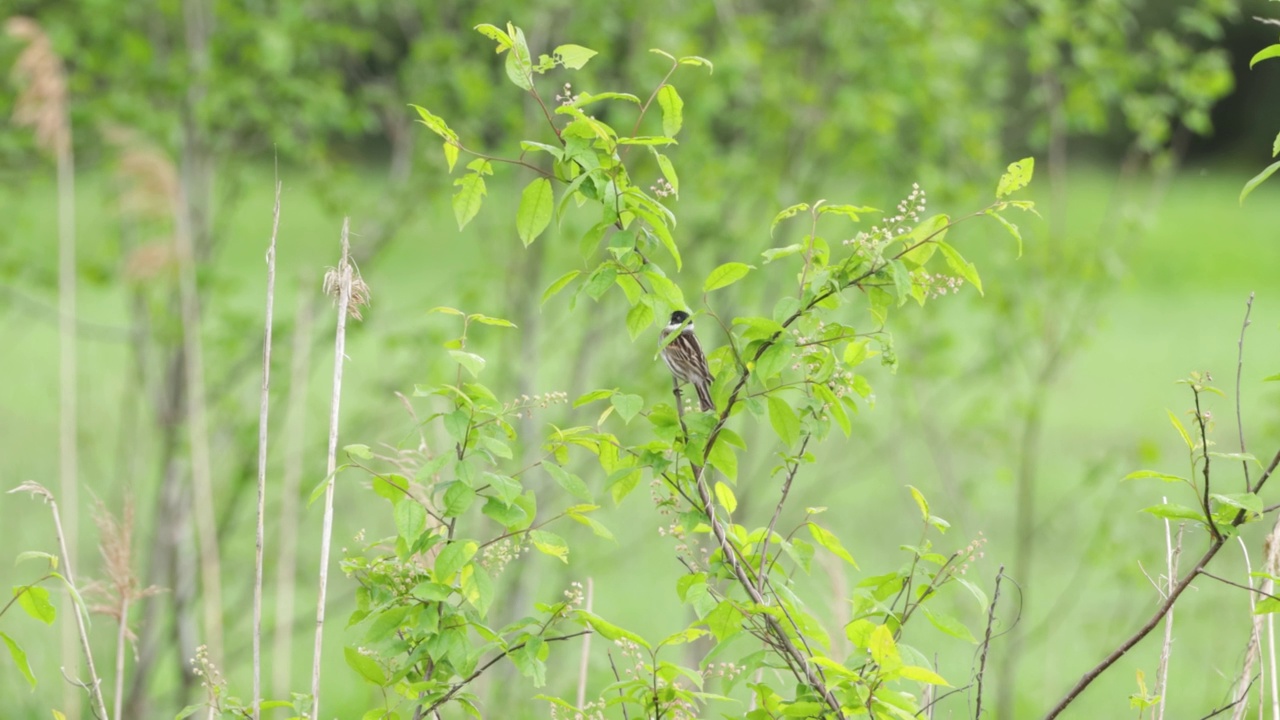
column 1017, row 413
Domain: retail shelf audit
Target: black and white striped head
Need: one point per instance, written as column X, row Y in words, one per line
column 679, row 318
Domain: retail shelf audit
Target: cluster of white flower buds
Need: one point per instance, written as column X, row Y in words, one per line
column 938, row 285
column 972, row 551
column 523, row 405
column 726, row 670
column 909, row 212
column 495, row 557
column 662, row 188
column 574, row 595
column 566, row 96
column 203, row 668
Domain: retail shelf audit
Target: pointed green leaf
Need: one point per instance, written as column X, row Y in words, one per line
column 725, row 275
column 672, row 110
column 784, row 420
column 573, row 56
column 534, row 214
column 19, row 659
column 1258, row 180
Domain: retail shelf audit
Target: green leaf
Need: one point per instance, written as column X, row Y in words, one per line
column 551, row 544
column 921, row 502
column 451, row 559
column 1245, row 501
column 394, row 487
column 450, row 154
column 948, row 624
column 597, row 528
column 358, row 451
column 1258, row 180
column 826, row 539
column 470, row 195
column 1171, row 511
column 458, row 498
column 1272, row 378
column 723, row 459
column 725, row 275
column 365, row 666
column 1013, row 229
column 411, row 519
column 668, row 170
column 672, row 110
column 639, row 318
column 19, row 659
column 609, row 631
column 784, row 420
column 495, row 322
column 477, row 588
column 386, row 623
column 1017, row 177
column 495, row 34
column 1265, row 53
column 507, row 515
column 593, row 396
column 1140, row 474
column 35, row 601
column 519, row 61
column 1186, row 438
column 883, row 649
column 787, row 213
column 536, row 205
column 573, row 56
column 559, row 285
column 1266, row 606
column 960, row 266
column 724, row 621
column 52, row 560
column 922, row 674
column 627, row 405
column 567, row 480
column 725, row 496
column 472, row 362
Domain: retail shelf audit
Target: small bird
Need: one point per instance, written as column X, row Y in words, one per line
column 685, row 359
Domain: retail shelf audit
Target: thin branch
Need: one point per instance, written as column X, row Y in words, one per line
column 986, row 642
column 1233, row 703
column 263, row 407
column 493, row 661
column 1242, row 586
column 777, row 510
column 1248, row 308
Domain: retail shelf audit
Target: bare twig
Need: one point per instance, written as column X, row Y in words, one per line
column 343, row 284
column 1248, row 308
column 1242, row 586
column 492, row 661
column 1233, row 703
column 986, row 643
column 777, row 510
column 263, row 407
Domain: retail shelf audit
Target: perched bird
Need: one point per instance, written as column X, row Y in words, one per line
column 685, row 359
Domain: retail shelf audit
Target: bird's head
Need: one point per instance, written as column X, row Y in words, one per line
column 679, row 317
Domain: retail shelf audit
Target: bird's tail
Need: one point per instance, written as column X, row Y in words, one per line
column 704, row 396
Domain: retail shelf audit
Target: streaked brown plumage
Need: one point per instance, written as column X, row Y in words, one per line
column 685, row 359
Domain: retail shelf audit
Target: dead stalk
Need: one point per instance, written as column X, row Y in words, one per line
column 340, row 280
column 262, row 459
